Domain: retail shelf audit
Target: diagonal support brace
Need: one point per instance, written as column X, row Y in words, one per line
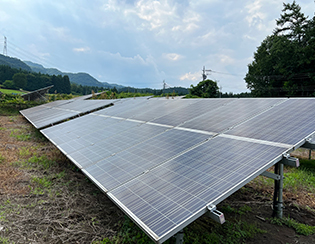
column 215, row 214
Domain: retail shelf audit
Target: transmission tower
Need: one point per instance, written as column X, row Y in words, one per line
column 5, row 51
column 204, row 74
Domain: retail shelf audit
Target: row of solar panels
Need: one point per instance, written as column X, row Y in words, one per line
column 164, row 161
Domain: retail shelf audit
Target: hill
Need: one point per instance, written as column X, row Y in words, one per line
column 81, row 78
column 13, row 63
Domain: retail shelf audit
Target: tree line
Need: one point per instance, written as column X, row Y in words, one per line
column 284, row 62
column 12, row 78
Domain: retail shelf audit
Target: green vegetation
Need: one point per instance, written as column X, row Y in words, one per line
column 284, row 62
column 17, row 78
column 301, row 229
column 204, row 230
column 13, row 92
column 39, row 162
column 206, row 88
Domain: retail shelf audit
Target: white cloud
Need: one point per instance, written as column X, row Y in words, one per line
column 172, row 56
column 81, row 49
column 191, row 76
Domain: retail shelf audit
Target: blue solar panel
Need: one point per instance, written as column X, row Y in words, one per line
column 234, row 112
column 172, row 193
column 194, row 109
column 131, row 162
column 194, row 153
column 55, row 112
column 289, row 122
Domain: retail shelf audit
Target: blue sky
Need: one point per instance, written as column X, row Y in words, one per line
column 140, row 43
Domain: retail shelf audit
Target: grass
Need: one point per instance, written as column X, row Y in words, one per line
column 9, row 91
column 295, row 179
column 302, row 178
column 204, row 230
column 301, row 229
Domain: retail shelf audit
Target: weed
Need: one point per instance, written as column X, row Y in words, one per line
column 242, row 210
column 212, row 233
column 301, row 229
column 43, row 182
column 297, row 179
column 2, row 128
column 24, row 152
column 41, row 162
column 19, row 135
column 2, row 159
column 5, row 241
column 60, row 175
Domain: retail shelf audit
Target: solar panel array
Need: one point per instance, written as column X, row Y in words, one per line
column 164, row 161
column 57, row 111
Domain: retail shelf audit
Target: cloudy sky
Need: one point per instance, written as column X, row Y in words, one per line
column 140, row 43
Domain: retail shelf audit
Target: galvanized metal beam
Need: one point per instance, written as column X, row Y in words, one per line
column 271, row 175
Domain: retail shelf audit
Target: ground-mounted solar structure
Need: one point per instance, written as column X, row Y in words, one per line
column 166, row 162
column 60, row 110
column 37, row 94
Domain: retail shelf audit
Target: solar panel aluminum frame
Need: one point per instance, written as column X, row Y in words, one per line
column 202, row 211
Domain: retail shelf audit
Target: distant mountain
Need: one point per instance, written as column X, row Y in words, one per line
column 13, row 63
column 83, row 79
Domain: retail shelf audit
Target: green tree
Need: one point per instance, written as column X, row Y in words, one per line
column 66, row 85
column 206, row 88
column 20, row 80
column 8, row 84
column 284, row 62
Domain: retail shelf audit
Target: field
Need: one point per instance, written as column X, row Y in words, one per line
column 8, row 91
column 44, row 198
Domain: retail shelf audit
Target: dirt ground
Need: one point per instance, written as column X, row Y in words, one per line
column 77, row 212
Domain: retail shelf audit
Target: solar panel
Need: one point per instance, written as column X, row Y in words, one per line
column 195, row 109
column 133, row 161
column 232, row 113
column 289, row 122
column 164, row 161
column 173, row 194
column 57, row 111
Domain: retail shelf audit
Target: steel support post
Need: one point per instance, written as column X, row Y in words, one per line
column 280, row 203
column 180, row 237
column 278, row 191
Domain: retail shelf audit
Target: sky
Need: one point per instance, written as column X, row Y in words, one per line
column 140, row 43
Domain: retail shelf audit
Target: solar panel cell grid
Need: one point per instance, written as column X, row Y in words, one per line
column 178, row 181
column 193, row 110
column 288, row 123
column 233, row 113
column 134, row 160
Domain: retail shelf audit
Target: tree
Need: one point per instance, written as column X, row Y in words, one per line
column 206, row 88
column 20, row 80
column 284, row 62
column 66, row 85
column 8, row 84
column 292, row 23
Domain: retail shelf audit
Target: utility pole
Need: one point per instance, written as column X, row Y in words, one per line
column 204, row 74
column 5, row 51
column 164, row 85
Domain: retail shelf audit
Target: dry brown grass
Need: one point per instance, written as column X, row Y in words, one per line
column 47, row 204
